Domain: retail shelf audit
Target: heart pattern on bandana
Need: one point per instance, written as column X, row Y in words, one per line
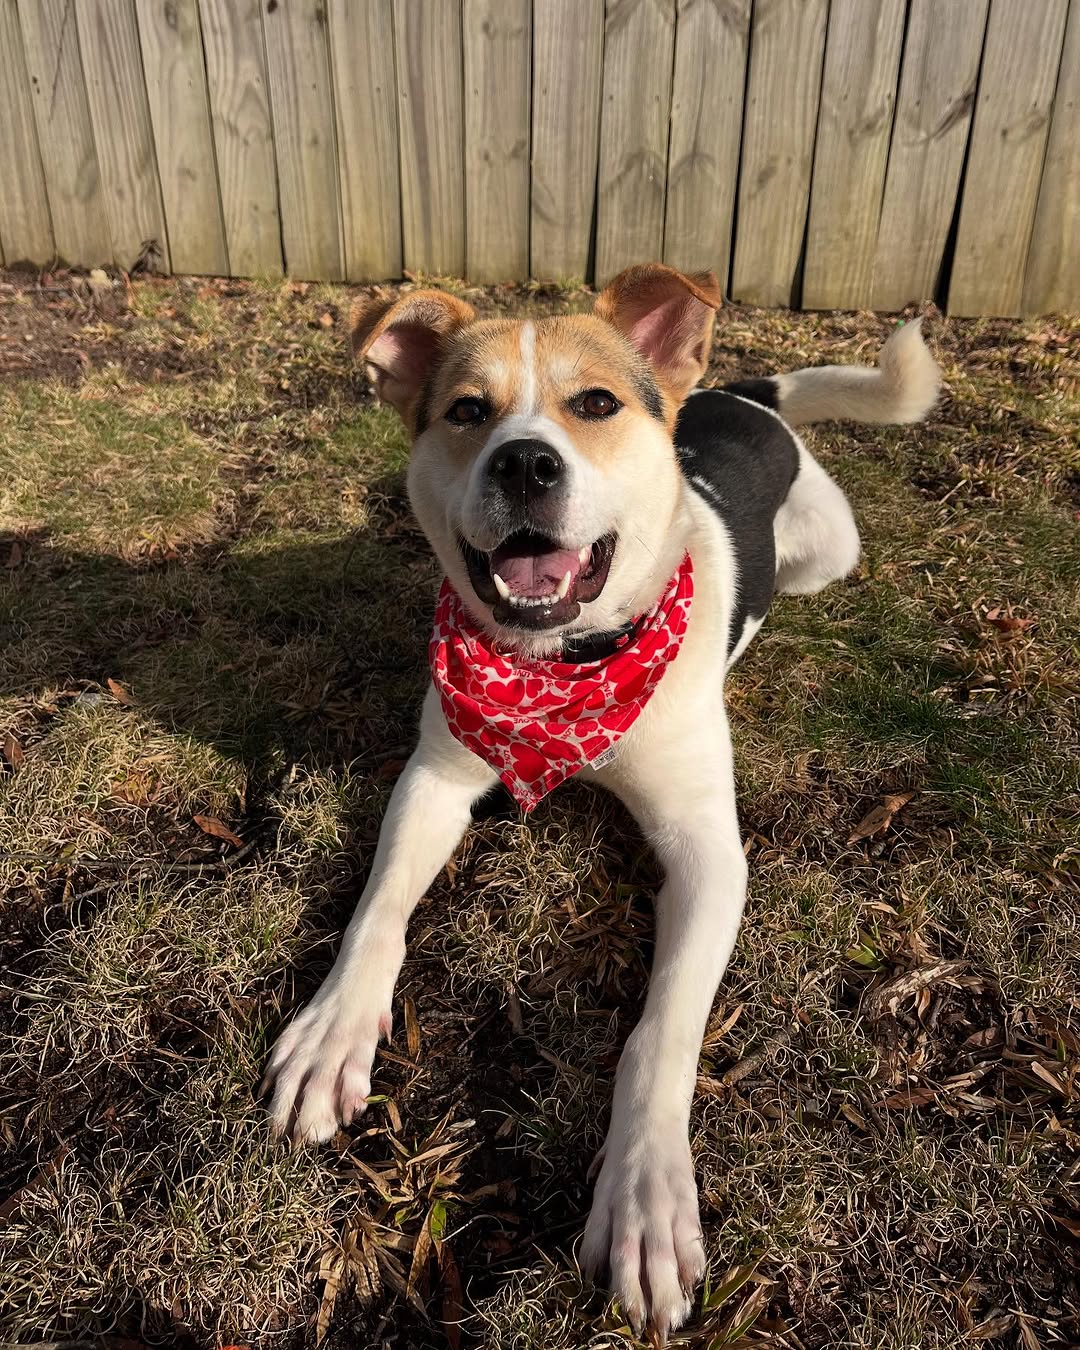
column 538, row 722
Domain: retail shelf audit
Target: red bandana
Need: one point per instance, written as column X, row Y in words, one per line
column 537, row 722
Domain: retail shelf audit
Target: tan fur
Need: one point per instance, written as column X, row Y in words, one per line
column 678, row 348
column 401, row 339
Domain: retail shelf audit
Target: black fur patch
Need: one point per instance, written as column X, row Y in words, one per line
column 649, row 395
column 742, row 461
column 423, row 407
column 757, row 391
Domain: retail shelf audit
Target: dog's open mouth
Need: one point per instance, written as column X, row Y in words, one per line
column 532, row 582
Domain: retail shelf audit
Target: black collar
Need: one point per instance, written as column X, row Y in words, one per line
column 579, row 650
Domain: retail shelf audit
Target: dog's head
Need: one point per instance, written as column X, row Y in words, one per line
column 543, row 470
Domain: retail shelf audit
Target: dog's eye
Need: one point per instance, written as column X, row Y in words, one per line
column 596, row 403
column 468, row 412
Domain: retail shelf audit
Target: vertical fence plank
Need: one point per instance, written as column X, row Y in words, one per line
column 639, row 40
column 116, row 93
column 25, row 225
column 62, row 116
column 786, row 45
column 706, row 128
column 427, row 40
column 365, row 96
column 858, row 88
column 243, row 135
column 926, row 158
column 1005, row 160
column 497, row 41
column 1052, row 280
column 179, row 111
column 568, row 42
column 305, row 139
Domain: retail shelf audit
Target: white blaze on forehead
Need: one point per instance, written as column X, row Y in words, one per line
column 526, row 401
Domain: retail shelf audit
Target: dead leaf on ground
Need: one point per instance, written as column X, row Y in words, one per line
column 902, row 1101
column 513, row 1012
column 119, row 693
column 412, row 1029
column 1007, row 623
column 331, row 1272
column 13, row 751
column 888, row 996
column 453, row 1302
column 878, row 820
column 211, row 825
column 15, row 556
column 136, row 789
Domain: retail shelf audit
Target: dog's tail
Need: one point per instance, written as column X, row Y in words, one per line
column 902, row 387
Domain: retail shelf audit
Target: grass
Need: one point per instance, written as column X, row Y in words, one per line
column 214, row 606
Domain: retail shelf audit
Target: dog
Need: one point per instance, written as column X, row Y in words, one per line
column 611, row 537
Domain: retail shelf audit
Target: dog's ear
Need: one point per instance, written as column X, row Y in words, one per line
column 667, row 316
column 400, row 340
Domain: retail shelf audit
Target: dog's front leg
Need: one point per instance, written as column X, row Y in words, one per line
column 644, row 1227
column 320, row 1069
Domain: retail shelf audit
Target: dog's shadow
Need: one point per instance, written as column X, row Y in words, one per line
column 308, row 648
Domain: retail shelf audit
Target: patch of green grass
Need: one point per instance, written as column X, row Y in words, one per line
column 92, row 475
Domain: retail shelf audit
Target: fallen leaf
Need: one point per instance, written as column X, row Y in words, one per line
column 421, row 1252
column 513, row 1012
column 878, row 820
column 412, row 1029
column 978, row 1040
column 452, row 1301
column 1047, row 1077
column 136, row 788
column 119, row 693
column 901, row 1101
column 13, row 751
column 15, row 557
column 888, row 996
column 326, row 320
column 331, row 1270
column 211, row 825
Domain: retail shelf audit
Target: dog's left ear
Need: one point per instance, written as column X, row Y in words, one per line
column 668, row 317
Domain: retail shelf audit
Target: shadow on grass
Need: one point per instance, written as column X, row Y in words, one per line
column 284, row 646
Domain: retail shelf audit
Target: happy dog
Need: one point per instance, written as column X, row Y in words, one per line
column 610, row 545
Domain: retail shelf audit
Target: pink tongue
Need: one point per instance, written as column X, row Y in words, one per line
column 534, row 574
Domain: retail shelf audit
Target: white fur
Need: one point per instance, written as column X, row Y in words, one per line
column 674, row 771
column 527, row 401
column 817, row 540
column 902, row 388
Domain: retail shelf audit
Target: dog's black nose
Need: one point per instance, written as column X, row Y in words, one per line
column 526, row 469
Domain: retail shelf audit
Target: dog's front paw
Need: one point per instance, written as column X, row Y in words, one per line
column 320, row 1070
column 644, row 1231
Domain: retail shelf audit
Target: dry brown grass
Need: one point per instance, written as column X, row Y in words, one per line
column 213, row 603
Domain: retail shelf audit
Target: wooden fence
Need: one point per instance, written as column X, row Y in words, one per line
column 822, row 153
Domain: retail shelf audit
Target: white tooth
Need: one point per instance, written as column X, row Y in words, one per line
column 585, row 554
column 564, row 586
column 501, row 586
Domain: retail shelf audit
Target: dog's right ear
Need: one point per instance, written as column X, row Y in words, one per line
column 400, row 340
